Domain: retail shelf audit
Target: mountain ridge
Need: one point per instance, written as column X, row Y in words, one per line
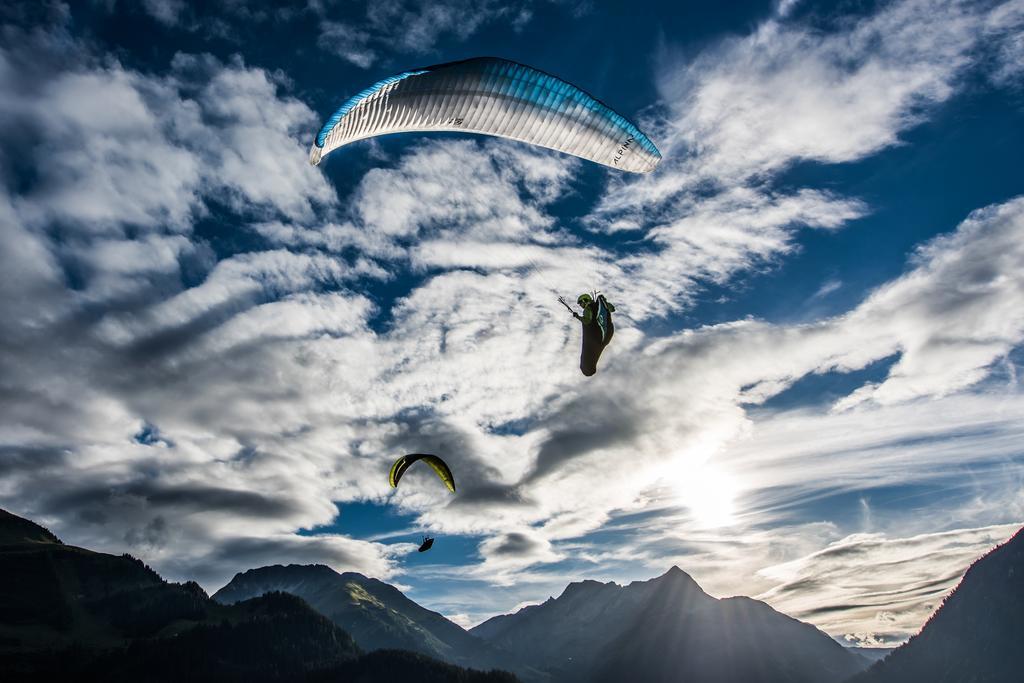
column 15, row 530
column 72, row 613
column 976, row 633
column 69, row 614
column 378, row 615
column 597, row 631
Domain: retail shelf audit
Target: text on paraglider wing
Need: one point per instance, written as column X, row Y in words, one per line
column 454, row 121
column 622, row 150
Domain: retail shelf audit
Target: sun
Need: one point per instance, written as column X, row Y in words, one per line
column 708, row 493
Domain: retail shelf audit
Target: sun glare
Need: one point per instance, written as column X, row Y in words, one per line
column 708, row 493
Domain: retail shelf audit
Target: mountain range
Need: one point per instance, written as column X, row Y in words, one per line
column 593, row 631
column 377, row 615
column 68, row 613
column 71, row 614
column 667, row 629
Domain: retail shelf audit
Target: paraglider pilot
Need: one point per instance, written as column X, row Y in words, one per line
column 597, row 328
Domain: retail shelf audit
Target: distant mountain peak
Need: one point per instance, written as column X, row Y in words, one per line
column 676, row 574
column 375, row 613
column 585, row 586
column 675, row 580
column 310, row 569
column 665, row 629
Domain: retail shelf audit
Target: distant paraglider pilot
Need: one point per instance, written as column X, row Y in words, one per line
column 440, row 469
column 597, row 328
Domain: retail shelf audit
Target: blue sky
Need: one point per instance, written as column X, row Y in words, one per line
column 211, row 350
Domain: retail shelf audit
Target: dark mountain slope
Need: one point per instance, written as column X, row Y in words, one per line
column 564, row 635
column 377, row 614
column 977, row 635
column 71, row 614
column 391, row 666
column 734, row 639
column 273, row 638
column 52, row 595
column 872, row 654
column 15, row 530
column 667, row 629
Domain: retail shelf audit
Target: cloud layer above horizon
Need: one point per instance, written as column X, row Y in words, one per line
column 209, row 345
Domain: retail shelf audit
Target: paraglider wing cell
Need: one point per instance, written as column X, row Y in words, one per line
column 496, row 97
column 436, row 464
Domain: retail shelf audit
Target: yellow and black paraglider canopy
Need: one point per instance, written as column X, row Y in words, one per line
column 436, row 464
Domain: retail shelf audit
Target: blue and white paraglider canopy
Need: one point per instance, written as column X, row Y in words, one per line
column 491, row 96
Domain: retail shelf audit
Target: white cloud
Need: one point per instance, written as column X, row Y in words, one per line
column 955, row 314
column 1005, row 29
column 220, row 133
column 506, row 554
column 785, row 7
column 713, row 239
column 410, row 26
column 464, row 189
column 462, row 619
column 827, row 288
column 233, row 285
column 789, row 92
column 347, row 42
column 789, row 459
column 165, row 11
column 750, row 106
column 100, row 130
column 253, row 149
